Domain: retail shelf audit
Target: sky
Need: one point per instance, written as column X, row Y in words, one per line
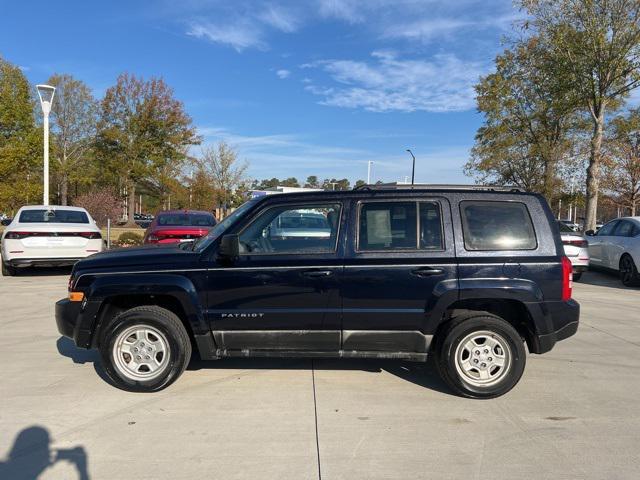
column 299, row 88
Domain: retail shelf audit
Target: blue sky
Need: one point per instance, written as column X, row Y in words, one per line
column 300, row 88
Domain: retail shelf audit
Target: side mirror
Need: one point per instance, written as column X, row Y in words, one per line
column 229, row 247
column 590, row 233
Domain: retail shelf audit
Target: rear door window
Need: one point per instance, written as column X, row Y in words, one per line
column 497, row 225
column 400, row 226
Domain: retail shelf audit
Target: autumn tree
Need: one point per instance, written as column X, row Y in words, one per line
column 20, row 141
column 595, row 45
column 227, row 174
column 529, row 121
column 621, row 172
column 143, row 132
column 102, row 203
column 73, row 126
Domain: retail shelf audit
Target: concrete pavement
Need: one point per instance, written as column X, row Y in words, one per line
column 574, row 414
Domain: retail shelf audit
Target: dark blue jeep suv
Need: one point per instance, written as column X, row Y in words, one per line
column 466, row 275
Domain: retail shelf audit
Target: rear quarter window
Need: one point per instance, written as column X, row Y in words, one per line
column 495, row 226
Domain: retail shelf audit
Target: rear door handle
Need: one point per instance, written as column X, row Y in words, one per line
column 317, row 273
column 427, row 271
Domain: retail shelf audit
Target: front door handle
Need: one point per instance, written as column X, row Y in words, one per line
column 317, row 273
column 427, row 271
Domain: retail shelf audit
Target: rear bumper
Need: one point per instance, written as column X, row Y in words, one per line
column 565, row 317
column 44, row 262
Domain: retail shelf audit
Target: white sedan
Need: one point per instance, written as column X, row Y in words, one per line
column 576, row 248
column 48, row 235
column 616, row 247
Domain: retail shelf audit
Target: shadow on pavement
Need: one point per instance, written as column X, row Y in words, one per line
column 422, row 374
column 603, row 279
column 31, row 454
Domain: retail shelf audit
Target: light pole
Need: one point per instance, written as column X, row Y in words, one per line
column 413, row 169
column 46, row 92
column 369, row 163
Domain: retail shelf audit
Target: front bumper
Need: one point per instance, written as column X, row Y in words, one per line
column 75, row 320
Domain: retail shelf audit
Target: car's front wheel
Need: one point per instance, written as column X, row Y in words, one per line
column 480, row 355
column 145, row 349
column 8, row 270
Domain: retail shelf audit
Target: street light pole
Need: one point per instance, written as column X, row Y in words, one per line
column 413, row 169
column 369, row 163
column 46, row 92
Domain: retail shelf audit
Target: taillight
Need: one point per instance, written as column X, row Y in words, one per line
column 576, row 243
column 567, row 279
column 17, row 235
column 90, row 235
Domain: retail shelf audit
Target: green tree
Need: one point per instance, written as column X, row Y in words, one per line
column 312, row 182
column 73, row 126
column 359, row 183
column 595, row 44
column 143, row 135
column 529, row 121
column 270, row 183
column 334, row 184
column 20, row 141
column 290, row 182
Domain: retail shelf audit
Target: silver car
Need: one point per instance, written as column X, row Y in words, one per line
column 576, row 248
column 616, row 247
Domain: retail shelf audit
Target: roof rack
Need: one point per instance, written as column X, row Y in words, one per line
column 433, row 186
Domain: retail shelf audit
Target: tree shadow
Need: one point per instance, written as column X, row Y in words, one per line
column 31, row 454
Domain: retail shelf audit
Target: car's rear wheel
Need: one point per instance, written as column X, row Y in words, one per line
column 480, row 355
column 628, row 271
column 8, row 270
column 145, row 349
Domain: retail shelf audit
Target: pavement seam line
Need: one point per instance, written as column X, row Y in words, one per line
column 315, row 414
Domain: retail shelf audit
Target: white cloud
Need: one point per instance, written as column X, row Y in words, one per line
column 280, row 18
column 240, row 35
column 282, row 73
column 444, row 83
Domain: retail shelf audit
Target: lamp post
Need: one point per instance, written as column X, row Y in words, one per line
column 46, row 92
column 369, row 163
column 413, row 169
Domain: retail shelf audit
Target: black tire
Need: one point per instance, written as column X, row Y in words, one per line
column 461, row 327
column 166, row 323
column 8, row 270
column 577, row 276
column 628, row 271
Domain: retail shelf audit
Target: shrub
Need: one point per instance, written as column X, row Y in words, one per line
column 129, row 239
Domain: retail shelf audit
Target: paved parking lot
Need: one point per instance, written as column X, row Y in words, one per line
column 575, row 413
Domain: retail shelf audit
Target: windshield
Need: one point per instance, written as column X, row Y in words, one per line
column 186, row 219
column 53, row 216
column 215, row 232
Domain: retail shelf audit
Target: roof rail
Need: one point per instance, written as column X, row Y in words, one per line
column 433, row 186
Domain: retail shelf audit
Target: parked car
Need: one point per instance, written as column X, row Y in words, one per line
column 616, row 248
column 570, row 224
column 468, row 275
column 576, row 248
column 5, row 221
column 48, row 236
column 175, row 226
